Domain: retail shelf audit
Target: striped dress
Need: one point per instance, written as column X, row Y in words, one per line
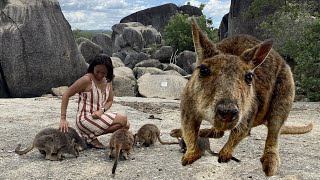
column 88, row 103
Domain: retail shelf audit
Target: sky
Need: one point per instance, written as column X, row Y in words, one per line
column 103, row 14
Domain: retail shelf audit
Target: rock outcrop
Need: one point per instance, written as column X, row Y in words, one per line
column 161, row 86
column 37, row 48
column 159, row 16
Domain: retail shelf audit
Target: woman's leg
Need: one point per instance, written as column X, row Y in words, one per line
column 119, row 122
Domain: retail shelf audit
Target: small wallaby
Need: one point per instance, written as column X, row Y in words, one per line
column 148, row 134
column 80, row 142
column 51, row 142
column 204, row 145
column 121, row 141
column 71, row 134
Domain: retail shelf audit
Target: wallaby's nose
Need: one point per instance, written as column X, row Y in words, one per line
column 227, row 111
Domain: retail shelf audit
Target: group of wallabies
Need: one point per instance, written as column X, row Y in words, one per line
column 53, row 143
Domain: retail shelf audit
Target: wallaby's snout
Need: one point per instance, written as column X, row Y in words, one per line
column 227, row 111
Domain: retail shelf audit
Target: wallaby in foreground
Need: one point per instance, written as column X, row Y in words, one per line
column 121, row 140
column 148, row 134
column 51, row 142
column 239, row 83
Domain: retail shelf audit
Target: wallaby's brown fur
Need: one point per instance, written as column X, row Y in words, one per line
column 121, row 140
column 71, row 134
column 51, row 142
column 148, row 134
column 239, row 83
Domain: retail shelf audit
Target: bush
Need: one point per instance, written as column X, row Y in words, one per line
column 296, row 30
column 178, row 33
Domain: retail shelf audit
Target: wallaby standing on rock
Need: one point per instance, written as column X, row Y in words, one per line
column 148, row 134
column 51, row 142
column 239, row 83
column 121, row 140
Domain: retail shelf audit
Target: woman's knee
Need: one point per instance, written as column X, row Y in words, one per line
column 122, row 120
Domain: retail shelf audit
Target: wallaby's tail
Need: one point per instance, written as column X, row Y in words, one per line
column 213, row 153
column 118, row 148
column 296, row 129
column 20, row 152
column 158, row 136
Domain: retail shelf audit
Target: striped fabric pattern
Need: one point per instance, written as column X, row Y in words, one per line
column 88, row 103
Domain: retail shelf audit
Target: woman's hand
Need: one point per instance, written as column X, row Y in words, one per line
column 97, row 114
column 64, row 125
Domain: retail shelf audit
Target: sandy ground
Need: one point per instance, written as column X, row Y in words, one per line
column 21, row 119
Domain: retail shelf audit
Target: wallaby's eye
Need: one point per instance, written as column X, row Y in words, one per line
column 249, row 78
column 204, row 70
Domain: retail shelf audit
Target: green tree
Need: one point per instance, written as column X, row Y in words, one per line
column 178, row 33
column 296, row 31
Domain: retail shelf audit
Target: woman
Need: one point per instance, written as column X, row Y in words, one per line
column 95, row 98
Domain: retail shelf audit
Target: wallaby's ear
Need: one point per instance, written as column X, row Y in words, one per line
column 259, row 53
column 202, row 45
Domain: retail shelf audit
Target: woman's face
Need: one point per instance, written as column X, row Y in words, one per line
column 100, row 71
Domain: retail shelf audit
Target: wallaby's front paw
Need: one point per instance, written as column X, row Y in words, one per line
column 270, row 163
column 190, row 157
column 224, row 157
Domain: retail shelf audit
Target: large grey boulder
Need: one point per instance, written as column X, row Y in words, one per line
column 132, row 59
column 116, row 62
column 163, row 54
column 38, row 50
column 159, row 16
column 140, row 71
column 89, row 50
column 104, row 41
column 241, row 22
column 185, row 59
column 150, row 63
column 161, row 86
column 176, row 68
column 133, row 35
column 124, row 82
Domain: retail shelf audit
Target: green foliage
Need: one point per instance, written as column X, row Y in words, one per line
column 296, row 31
column 178, row 33
column 308, row 62
column 257, row 7
column 77, row 33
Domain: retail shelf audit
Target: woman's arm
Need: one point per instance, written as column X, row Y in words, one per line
column 79, row 86
column 110, row 98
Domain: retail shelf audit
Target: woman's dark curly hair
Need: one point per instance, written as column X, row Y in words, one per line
column 102, row 59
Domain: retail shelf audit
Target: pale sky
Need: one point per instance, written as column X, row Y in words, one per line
column 103, row 14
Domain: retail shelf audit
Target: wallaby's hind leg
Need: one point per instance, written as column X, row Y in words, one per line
column 111, row 153
column 279, row 111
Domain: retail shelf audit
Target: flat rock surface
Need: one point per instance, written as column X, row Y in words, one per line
column 21, row 119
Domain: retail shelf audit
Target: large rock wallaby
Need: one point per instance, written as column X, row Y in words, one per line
column 239, row 83
column 51, row 142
